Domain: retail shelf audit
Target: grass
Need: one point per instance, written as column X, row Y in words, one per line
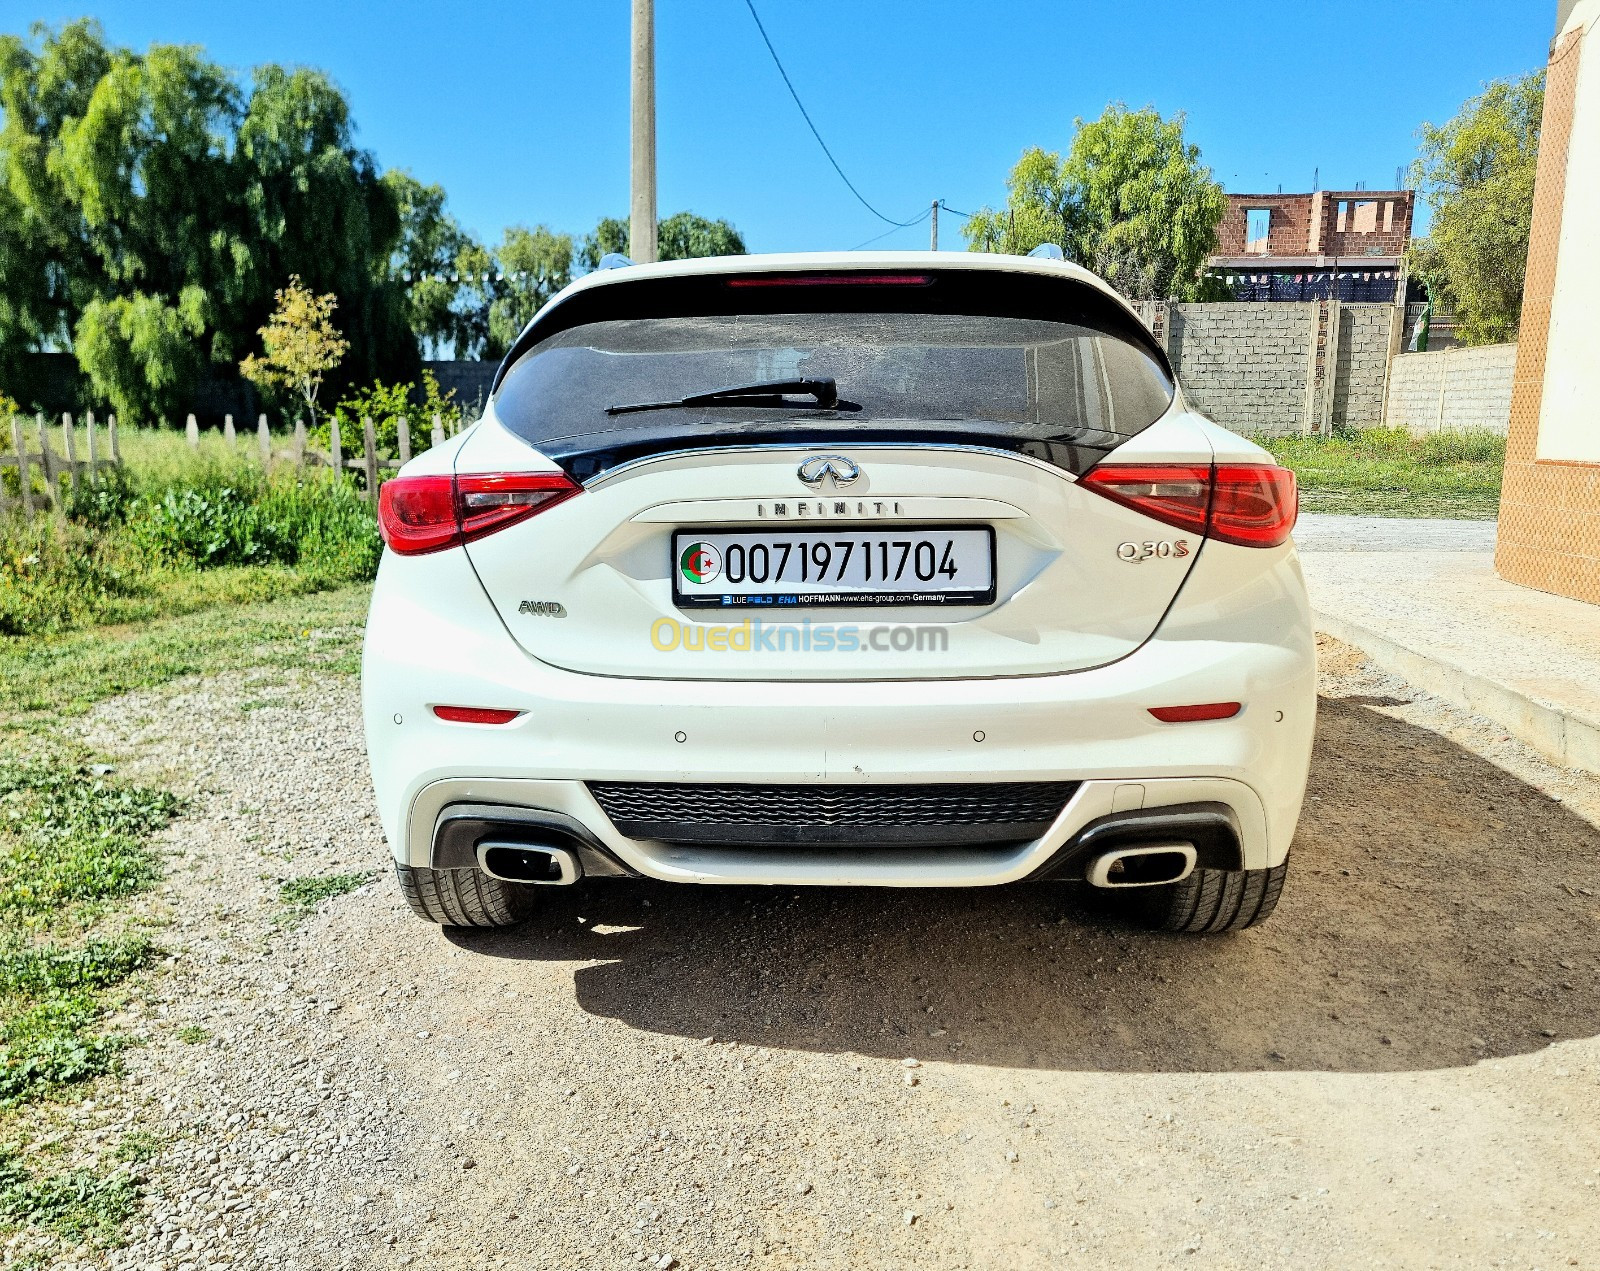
column 301, row 896
column 175, row 531
column 180, row 564
column 64, row 674
column 1388, row 472
column 75, row 848
column 139, row 1146
column 71, row 844
column 73, row 840
column 164, row 456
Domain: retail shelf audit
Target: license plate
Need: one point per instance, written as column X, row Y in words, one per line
column 899, row 565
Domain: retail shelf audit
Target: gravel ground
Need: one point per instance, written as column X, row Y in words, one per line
column 1400, row 1069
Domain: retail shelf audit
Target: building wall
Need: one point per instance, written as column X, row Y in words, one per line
column 1307, row 224
column 1279, row 367
column 1245, row 365
column 1377, row 242
column 1549, row 533
column 1451, row 391
column 1568, row 428
column 1290, row 215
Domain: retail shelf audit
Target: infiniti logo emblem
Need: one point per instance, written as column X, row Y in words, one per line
column 815, row 470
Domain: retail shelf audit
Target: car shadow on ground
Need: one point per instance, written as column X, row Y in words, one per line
column 1439, row 911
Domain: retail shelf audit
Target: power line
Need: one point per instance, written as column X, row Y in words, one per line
column 893, row 230
column 806, row 115
column 953, row 212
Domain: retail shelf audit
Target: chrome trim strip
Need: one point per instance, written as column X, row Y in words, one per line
column 879, row 447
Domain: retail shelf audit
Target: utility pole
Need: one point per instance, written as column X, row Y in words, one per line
column 642, row 247
column 934, row 233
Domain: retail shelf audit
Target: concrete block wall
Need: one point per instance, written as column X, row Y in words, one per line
column 1361, row 362
column 1245, row 364
column 1452, row 390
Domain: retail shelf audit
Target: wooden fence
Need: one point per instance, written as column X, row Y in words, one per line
column 367, row 461
column 65, row 468
column 32, row 451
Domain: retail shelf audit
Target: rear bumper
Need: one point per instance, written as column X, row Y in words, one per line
column 595, row 841
column 1236, row 635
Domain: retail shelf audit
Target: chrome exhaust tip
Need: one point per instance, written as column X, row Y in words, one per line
column 1148, row 865
column 536, row 863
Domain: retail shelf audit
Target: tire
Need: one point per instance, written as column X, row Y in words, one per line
column 463, row 897
column 1210, row 901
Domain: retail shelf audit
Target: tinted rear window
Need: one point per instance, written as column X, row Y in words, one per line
column 1084, row 374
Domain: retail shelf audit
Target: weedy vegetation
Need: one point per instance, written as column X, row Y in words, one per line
column 178, row 536
column 73, row 842
column 77, row 1205
column 301, row 896
column 1388, row 472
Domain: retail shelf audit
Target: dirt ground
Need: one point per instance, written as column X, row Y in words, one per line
column 1400, row 1069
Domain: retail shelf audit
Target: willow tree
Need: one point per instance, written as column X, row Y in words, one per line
column 151, row 205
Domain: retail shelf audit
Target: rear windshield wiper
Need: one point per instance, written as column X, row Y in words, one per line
column 824, row 394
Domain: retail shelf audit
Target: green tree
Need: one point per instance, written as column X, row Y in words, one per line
column 47, row 273
column 1476, row 172
column 609, row 236
column 430, row 252
column 148, row 165
column 149, row 208
column 685, row 236
column 1131, row 201
column 681, row 236
column 316, row 207
column 529, row 267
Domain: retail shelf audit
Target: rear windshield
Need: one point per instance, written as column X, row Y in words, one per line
column 1020, row 382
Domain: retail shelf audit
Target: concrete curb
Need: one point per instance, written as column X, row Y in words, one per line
column 1558, row 734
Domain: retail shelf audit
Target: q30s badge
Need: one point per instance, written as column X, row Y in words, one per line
column 1164, row 549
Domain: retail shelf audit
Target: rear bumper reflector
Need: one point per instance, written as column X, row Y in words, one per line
column 475, row 714
column 1193, row 714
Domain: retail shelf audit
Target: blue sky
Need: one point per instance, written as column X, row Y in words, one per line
column 520, row 110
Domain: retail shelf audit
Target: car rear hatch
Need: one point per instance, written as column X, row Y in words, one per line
column 928, row 524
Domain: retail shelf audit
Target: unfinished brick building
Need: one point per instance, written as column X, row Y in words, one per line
column 1329, row 245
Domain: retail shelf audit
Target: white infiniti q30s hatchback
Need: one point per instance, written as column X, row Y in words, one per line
column 903, row 570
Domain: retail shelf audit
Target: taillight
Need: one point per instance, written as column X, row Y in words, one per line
column 427, row 514
column 1250, row 504
column 1178, row 494
column 1254, row 505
